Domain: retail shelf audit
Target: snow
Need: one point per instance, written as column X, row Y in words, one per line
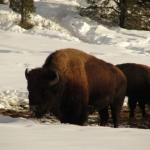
column 27, row 134
column 58, row 25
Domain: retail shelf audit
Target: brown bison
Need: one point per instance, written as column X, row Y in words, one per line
column 69, row 81
column 138, row 85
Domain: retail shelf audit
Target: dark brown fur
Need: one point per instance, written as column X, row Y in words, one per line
column 37, row 85
column 84, row 80
column 138, row 85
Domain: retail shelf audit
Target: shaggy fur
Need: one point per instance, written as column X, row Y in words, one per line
column 83, row 80
column 138, row 85
column 37, row 85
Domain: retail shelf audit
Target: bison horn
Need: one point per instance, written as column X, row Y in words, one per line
column 26, row 73
column 54, row 79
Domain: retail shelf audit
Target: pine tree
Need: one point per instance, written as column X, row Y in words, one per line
column 122, row 11
column 25, row 8
column 101, row 11
column 1, row 1
column 138, row 16
column 130, row 14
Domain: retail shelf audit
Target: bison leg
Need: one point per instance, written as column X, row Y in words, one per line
column 116, row 107
column 73, row 119
column 104, row 116
column 74, row 104
column 74, row 113
column 142, row 107
column 132, row 106
column 115, row 115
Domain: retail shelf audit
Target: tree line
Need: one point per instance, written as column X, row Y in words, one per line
column 130, row 14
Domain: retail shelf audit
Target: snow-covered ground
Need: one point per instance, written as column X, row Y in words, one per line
column 23, row 134
column 58, row 25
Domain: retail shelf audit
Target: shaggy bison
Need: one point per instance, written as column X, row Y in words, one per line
column 138, row 85
column 69, row 81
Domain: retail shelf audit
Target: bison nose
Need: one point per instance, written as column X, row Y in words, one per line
column 36, row 111
column 33, row 108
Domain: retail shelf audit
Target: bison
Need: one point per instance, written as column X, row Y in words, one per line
column 70, row 80
column 138, row 86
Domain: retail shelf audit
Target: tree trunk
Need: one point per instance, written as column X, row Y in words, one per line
column 1, row 1
column 123, row 12
column 23, row 15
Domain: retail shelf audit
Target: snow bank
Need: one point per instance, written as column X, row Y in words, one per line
column 60, row 19
column 9, row 21
column 13, row 100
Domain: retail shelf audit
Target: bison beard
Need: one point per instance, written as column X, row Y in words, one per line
column 80, row 80
column 138, row 86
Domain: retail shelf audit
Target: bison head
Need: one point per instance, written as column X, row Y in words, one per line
column 42, row 87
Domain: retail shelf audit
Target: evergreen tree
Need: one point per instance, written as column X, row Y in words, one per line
column 138, row 16
column 24, row 7
column 122, row 11
column 101, row 11
column 130, row 14
column 1, row 1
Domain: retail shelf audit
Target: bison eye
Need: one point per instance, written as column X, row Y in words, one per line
column 54, row 78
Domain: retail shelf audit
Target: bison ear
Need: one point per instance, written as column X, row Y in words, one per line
column 53, row 77
column 27, row 73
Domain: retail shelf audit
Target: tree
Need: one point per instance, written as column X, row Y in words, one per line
column 25, row 8
column 1, row 1
column 122, row 10
column 138, row 16
column 130, row 14
column 101, row 11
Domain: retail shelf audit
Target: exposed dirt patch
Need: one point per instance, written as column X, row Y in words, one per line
column 139, row 122
column 15, row 114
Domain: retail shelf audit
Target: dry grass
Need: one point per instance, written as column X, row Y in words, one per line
column 139, row 122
